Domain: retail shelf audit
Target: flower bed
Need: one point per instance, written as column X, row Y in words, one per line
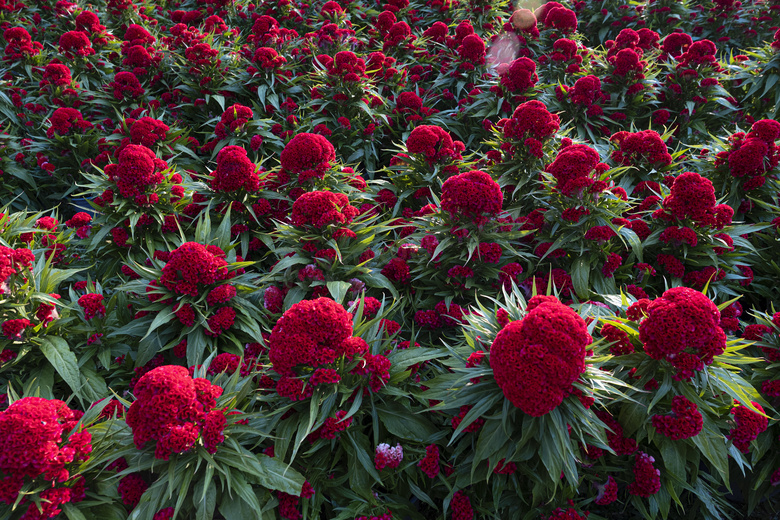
column 378, row 259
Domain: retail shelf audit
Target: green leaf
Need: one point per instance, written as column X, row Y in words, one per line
column 580, row 275
column 94, row 386
column 63, row 360
column 72, row 512
column 162, row 318
column 338, row 290
column 276, row 475
column 406, row 425
column 204, row 509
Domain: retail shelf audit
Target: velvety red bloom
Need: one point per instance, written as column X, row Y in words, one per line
column 535, row 360
column 614, row 261
column 473, row 195
column 430, row 463
column 138, row 167
column 221, row 321
column 647, row 478
column 607, row 493
column 333, row 426
column 164, row 514
column 693, row 197
column 126, row 84
column 645, row 148
column 233, row 119
column 376, row 367
column 311, row 333
column 388, row 457
column 701, row 52
column 322, row 208
column 75, row 43
column 472, row 50
column 685, row 422
column 170, row 409
column 432, row 141
column 679, row 236
column 92, row 305
column 19, row 44
column 520, row 75
column 749, row 425
column 224, row 362
column 622, row 344
column 32, row 431
column 586, row 91
column 397, row 270
column 191, row 266
column 65, row 120
column 13, row 329
column 572, row 168
column 565, row 20
column 235, row 171
column 676, row 43
column 461, row 507
column 213, row 427
column 682, row 319
column 474, row 426
column 148, row 131
column 309, row 155
column 56, row 75
column 531, row 119
column 130, row 488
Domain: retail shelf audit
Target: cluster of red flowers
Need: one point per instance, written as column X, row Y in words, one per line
column 607, row 492
column 235, row 171
column 308, row 156
column 387, row 456
column 434, row 143
column 680, row 324
column 587, row 93
column 645, row 148
column 748, row 425
column 93, row 305
column 233, row 119
column 56, row 75
column 137, row 168
column 572, row 169
column 19, row 45
column 752, row 156
column 519, row 76
column 266, row 58
column 311, row 333
column 473, row 195
column 559, row 18
column 430, row 463
column 174, row 410
column 693, row 197
column 32, row 446
column 647, row 478
column 74, row 44
column 536, row 360
column 11, row 261
column 461, row 507
column 322, row 208
column 531, row 123
column 64, row 120
column 621, row 344
column 192, row 266
column 685, row 422
column 126, row 85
